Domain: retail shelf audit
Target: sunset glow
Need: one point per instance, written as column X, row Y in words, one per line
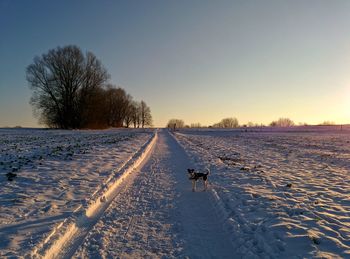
column 198, row 61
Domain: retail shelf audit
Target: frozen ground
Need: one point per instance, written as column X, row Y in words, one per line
column 272, row 194
column 57, row 171
column 158, row 216
column 286, row 194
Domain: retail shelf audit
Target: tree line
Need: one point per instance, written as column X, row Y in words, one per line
column 224, row 123
column 71, row 90
column 230, row 122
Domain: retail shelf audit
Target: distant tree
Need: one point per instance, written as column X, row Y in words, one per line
column 227, row 123
column 63, row 81
column 273, row 124
column 145, row 113
column 175, row 123
column 282, row 122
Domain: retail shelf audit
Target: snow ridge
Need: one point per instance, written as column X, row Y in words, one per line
column 65, row 238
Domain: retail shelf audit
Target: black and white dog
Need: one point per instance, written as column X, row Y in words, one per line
column 195, row 176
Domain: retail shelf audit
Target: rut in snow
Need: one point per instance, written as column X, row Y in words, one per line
column 158, row 215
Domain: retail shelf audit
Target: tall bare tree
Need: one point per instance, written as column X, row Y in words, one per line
column 145, row 113
column 117, row 105
column 136, row 114
column 91, row 95
column 62, row 81
column 129, row 113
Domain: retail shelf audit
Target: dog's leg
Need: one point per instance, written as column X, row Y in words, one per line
column 193, row 185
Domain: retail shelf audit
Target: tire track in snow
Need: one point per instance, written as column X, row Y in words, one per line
column 67, row 237
column 141, row 221
column 158, row 216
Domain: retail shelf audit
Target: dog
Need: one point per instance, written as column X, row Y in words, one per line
column 195, row 176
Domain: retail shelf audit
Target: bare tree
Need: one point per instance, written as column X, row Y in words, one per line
column 70, row 91
column 61, row 81
column 117, row 101
column 138, row 114
column 91, row 95
column 129, row 113
column 135, row 114
column 175, row 123
column 227, row 123
column 94, row 110
column 282, row 122
column 145, row 113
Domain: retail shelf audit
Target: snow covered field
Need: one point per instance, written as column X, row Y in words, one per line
column 285, row 194
column 57, row 172
column 272, row 194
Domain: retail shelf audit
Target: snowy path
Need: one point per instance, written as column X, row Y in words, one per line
column 157, row 214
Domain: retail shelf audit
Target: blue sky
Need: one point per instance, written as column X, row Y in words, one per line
column 199, row 61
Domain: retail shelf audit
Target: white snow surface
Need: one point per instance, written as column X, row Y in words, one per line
column 286, row 193
column 58, row 172
column 158, row 216
column 126, row 194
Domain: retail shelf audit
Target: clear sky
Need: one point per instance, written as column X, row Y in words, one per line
column 199, row 61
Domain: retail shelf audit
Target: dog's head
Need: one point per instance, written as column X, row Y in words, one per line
column 191, row 173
